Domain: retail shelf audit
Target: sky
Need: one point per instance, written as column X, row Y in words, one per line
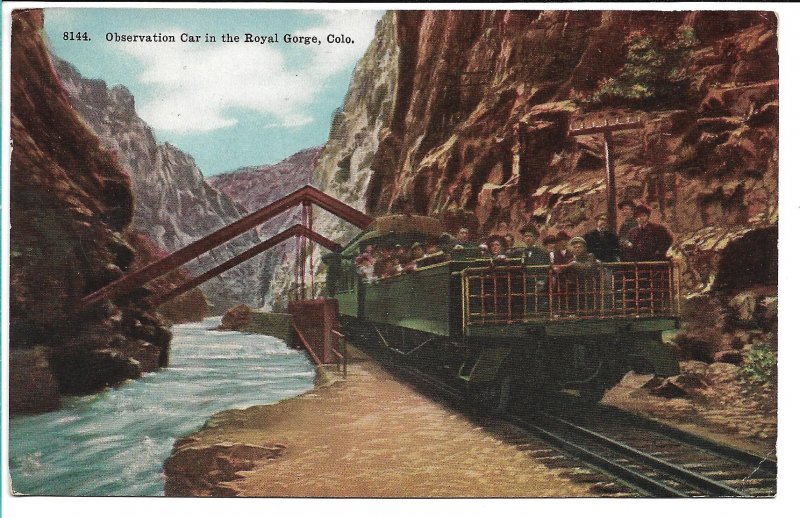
column 230, row 104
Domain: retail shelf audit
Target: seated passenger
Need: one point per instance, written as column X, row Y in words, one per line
column 496, row 249
column 366, row 263
column 416, row 253
column 509, row 242
column 462, row 239
column 431, row 248
column 550, row 243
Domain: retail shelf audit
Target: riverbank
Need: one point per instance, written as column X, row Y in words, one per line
column 368, row 436
column 374, row 436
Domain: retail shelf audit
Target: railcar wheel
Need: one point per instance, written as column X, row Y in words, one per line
column 491, row 397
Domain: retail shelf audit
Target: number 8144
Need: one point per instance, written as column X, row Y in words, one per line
column 76, row 36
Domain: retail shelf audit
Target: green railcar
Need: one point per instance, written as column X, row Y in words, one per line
column 507, row 329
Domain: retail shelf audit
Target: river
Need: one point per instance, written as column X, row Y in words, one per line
column 115, row 442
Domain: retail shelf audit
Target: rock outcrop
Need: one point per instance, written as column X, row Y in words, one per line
column 71, row 202
column 193, row 470
column 173, row 204
column 469, row 111
column 485, row 101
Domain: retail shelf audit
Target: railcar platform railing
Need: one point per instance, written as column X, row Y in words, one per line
column 521, row 294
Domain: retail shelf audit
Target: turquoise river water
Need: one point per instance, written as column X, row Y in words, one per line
column 115, row 442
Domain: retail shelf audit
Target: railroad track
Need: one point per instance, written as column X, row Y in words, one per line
column 638, row 456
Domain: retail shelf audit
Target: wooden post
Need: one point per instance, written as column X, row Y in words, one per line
column 607, row 129
column 611, row 183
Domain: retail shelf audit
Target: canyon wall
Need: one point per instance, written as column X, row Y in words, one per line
column 173, row 204
column 344, row 166
column 71, row 204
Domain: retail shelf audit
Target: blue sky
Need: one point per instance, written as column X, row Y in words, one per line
column 227, row 104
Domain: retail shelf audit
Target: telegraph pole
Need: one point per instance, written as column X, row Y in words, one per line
column 607, row 128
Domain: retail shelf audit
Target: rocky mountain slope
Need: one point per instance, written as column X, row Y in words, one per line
column 344, row 167
column 255, row 187
column 71, row 203
column 173, row 204
column 485, row 101
column 466, row 115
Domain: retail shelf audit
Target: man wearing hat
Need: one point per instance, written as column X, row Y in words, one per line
column 603, row 242
column 648, row 241
column 532, row 253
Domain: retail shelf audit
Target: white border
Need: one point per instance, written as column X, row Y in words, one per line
column 789, row 43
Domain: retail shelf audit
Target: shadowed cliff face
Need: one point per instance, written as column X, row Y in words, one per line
column 173, row 204
column 70, row 204
column 484, row 102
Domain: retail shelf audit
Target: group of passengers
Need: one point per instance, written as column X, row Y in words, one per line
column 638, row 240
column 378, row 262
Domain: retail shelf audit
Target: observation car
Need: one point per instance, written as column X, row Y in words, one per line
column 509, row 330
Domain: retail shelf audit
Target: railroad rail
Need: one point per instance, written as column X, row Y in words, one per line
column 638, row 456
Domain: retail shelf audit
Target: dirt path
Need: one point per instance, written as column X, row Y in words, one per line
column 370, row 436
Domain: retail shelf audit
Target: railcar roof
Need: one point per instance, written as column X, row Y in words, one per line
column 401, row 227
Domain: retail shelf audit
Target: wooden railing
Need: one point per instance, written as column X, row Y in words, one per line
column 516, row 294
column 340, row 355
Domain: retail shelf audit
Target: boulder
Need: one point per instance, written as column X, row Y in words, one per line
column 694, row 367
column 32, row 386
column 729, row 356
column 235, row 318
column 681, row 385
column 145, row 354
column 743, row 308
column 83, row 372
column 194, row 470
column 769, row 311
column 695, row 345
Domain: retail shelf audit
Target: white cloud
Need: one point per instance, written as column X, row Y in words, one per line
column 198, row 86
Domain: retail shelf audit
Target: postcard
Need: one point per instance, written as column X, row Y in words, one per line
column 391, row 252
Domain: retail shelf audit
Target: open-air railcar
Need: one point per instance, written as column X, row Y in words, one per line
column 513, row 330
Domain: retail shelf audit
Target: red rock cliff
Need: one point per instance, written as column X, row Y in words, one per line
column 70, row 204
column 484, row 101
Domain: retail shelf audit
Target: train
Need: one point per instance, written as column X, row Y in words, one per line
column 509, row 331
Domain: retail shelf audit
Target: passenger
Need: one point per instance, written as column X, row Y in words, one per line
column 496, row 249
column 510, row 242
column 402, row 253
column 503, row 228
column 562, row 255
column 603, row 242
column 550, row 243
column 587, row 284
column 446, row 242
column 366, row 264
column 532, row 253
column 462, row 239
column 417, row 253
column 648, row 241
column 581, row 257
column 431, row 248
column 628, row 223
column 392, row 268
column 384, row 256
